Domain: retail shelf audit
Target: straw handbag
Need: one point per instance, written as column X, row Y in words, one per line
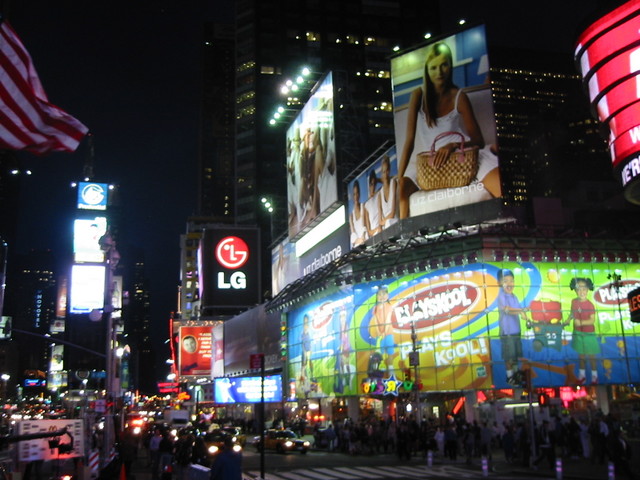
column 457, row 171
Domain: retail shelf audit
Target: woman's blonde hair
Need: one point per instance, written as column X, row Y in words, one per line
column 428, row 90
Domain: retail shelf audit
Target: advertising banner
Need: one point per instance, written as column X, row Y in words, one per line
column 252, row 332
column 247, row 389
column 48, row 448
column 286, row 267
column 477, row 326
column 201, row 350
column 312, row 184
column 373, row 199
column 92, row 196
column 56, row 364
column 443, row 104
column 87, row 288
column 86, row 234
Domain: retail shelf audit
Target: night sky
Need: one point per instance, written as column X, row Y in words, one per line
column 131, row 72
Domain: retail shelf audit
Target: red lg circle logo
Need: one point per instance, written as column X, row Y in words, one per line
column 232, row 252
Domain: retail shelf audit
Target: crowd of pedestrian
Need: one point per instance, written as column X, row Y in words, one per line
column 599, row 439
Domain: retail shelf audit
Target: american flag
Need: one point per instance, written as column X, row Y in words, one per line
column 27, row 120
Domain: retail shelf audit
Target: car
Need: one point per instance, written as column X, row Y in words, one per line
column 236, row 432
column 282, row 441
column 214, row 441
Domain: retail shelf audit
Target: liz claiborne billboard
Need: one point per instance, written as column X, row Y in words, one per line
column 443, row 104
column 476, row 326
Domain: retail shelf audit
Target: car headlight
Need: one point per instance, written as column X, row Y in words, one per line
column 237, row 448
column 136, row 430
column 288, row 443
column 213, row 449
column 306, row 444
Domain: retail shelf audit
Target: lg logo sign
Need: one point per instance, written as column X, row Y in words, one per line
column 232, row 253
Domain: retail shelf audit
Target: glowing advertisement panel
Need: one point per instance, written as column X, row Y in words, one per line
column 477, row 326
column 312, row 185
column 247, row 389
column 608, row 56
column 92, row 196
column 372, row 199
column 201, row 350
column 87, row 288
column 86, row 234
column 285, row 267
column 453, row 73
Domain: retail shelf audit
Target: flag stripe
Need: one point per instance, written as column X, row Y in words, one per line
column 29, row 121
column 31, row 104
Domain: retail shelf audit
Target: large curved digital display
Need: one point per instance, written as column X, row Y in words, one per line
column 608, row 55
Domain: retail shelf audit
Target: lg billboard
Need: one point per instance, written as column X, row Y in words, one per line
column 229, row 267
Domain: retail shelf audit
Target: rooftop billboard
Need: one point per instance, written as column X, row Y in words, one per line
column 201, row 351
column 445, row 125
column 229, row 267
column 476, row 326
column 312, row 186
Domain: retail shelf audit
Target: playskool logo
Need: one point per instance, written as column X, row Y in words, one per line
column 434, row 305
column 608, row 295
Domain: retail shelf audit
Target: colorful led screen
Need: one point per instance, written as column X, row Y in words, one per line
column 477, row 326
column 247, row 389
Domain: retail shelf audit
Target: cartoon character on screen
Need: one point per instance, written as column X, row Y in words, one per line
column 584, row 340
column 381, row 328
column 510, row 312
column 343, row 373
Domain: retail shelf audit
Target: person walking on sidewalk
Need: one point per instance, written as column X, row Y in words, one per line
column 228, row 464
column 547, row 445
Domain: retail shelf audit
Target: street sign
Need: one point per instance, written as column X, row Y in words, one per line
column 255, row 360
column 101, row 406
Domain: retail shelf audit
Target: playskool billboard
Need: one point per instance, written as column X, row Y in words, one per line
column 476, row 326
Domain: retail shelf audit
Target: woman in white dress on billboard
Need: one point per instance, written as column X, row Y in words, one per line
column 439, row 106
column 372, row 206
column 357, row 222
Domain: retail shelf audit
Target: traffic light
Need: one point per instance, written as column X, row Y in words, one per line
column 283, row 337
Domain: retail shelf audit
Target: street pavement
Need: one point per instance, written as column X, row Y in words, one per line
column 316, row 466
